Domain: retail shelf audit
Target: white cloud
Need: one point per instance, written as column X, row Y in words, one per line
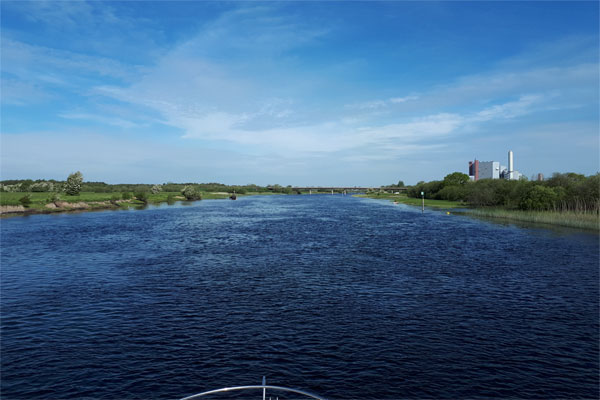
column 20, row 93
column 397, row 100
column 510, row 109
column 38, row 63
column 369, row 105
column 415, row 130
column 122, row 123
column 378, row 104
column 65, row 13
column 193, row 89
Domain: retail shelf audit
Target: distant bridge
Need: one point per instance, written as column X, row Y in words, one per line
column 339, row 189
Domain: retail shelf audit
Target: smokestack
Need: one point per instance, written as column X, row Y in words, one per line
column 510, row 164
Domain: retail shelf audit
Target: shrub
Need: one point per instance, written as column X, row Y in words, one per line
column 482, row 194
column 156, row 189
column 170, row 199
column 25, row 185
column 114, row 198
column 25, row 200
column 42, row 187
column 58, row 187
column 452, row 193
column 53, row 198
column 126, row 195
column 539, row 198
column 456, row 178
column 191, row 193
column 73, row 184
column 142, row 196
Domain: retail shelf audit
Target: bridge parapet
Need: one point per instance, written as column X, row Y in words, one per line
column 350, row 188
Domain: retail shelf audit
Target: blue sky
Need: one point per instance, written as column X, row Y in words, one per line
column 300, row 93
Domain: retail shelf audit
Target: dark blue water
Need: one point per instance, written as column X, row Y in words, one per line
column 344, row 297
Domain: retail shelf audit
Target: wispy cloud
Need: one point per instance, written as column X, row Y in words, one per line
column 511, row 109
column 19, row 93
column 396, row 100
column 65, row 13
column 35, row 63
column 122, row 123
column 219, row 105
column 339, row 135
column 258, row 81
column 378, row 104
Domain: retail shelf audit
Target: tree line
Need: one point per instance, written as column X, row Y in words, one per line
column 51, row 185
column 562, row 192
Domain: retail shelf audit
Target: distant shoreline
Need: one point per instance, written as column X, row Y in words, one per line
column 579, row 220
column 84, row 203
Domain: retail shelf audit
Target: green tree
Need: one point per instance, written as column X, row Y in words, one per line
column 539, row 197
column 25, row 184
column 483, row 193
column 142, row 196
column 156, row 189
column 25, row 200
column 400, row 183
column 53, row 198
column 456, row 178
column 73, row 184
column 191, row 193
column 452, row 193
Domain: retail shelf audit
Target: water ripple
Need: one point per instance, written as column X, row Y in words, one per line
column 345, row 297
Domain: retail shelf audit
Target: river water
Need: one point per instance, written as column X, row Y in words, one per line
column 341, row 296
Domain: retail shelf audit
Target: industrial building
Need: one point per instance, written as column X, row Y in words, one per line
column 493, row 170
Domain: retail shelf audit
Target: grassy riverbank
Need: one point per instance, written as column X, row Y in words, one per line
column 41, row 202
column 401, row 198
column 579, row 220
column 40, row 199
column 588, row 221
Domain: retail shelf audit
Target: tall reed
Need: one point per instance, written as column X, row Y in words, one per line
column 584, row 218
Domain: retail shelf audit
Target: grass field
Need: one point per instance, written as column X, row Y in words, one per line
column 40, row 199
column 402, row 198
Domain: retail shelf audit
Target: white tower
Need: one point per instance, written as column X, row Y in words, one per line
column 510, row 165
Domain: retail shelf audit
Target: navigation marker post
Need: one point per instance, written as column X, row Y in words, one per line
column 423, row 205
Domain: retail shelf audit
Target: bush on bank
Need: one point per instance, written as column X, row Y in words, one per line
column 191, row 193
column 51, row 185
column 562, row 192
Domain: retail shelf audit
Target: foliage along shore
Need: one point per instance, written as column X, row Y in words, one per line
column 570, row 219
column 27, row 196
column 567, row 199
column 42, row 203
column 402, row 198
column 588, row 220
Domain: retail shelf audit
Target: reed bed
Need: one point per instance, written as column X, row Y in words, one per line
column 583, row 219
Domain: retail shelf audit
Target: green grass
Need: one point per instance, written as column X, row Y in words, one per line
column 402, row 198
column 40, row 199
column 12, row 199
column 579, row 220
column 570, row 219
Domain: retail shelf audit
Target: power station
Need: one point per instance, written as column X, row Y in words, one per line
column 493, row 170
